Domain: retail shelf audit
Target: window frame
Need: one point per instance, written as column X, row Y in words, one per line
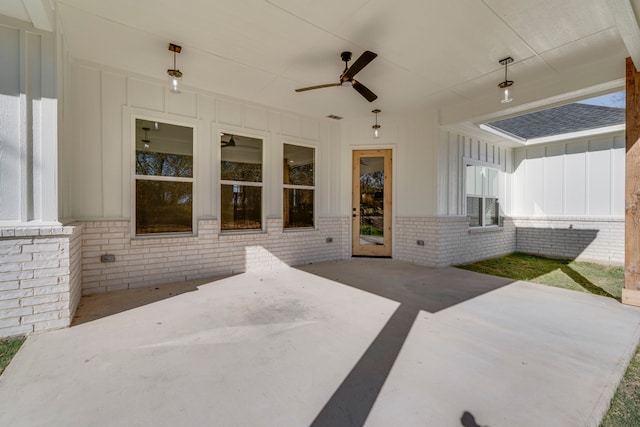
column 302, row 187
column 261, row 185
column 485, row 165
column 162, row 119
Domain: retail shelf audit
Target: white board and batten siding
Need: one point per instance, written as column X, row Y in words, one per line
column 569, row 199
column 104, row 101
column 28, row 131
column 580, row 178
column 457, row 150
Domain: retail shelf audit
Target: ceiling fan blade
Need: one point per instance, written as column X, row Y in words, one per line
column 360, row 63
column 317, row 87
column 364, row 91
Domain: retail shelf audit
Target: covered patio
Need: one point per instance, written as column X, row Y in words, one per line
column 342, row 343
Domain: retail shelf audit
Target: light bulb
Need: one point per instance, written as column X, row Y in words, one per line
column 376, row 134
column 507, row 96
column 174, row 84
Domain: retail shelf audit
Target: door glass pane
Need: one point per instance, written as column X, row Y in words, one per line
column 372, row 201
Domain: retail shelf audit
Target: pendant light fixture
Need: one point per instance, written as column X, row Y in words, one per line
column 506, row 90
column 174, row 74
column 376, row 127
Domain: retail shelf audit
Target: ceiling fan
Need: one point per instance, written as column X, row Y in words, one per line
column 231, row 142
column 346, row 78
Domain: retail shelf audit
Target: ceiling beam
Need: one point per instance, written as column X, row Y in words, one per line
column 40, row 13
column 627, row 23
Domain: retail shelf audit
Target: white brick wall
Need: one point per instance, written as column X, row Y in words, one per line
column 151, row 261
column 39, row 278
column 44, row 270
column 449, row 241
column 587, row 239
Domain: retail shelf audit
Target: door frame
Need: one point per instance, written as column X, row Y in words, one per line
column 391, row 148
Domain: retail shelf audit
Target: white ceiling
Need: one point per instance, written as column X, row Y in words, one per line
column 440, row 52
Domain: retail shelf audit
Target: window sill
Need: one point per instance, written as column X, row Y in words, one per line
column 298, row 229
column 157, row 236
column 488, row 229
column 226, row 233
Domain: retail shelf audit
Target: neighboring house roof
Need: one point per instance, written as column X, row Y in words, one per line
column 560, row 120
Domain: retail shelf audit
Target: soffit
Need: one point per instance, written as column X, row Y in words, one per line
column 440, row 53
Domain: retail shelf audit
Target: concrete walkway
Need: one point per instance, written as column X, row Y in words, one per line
column 347, row 343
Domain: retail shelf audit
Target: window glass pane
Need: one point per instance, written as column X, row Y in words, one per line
column 298, row 208
column 298, row 165
column 163, row 164
column 471, row 179
column 473, row 211
column 241, row 207
column 241, row 158
column 491, row 211
column 479, row 173
column 492, row 182
column 163, row 149
column 163, row 207
column 474, row 180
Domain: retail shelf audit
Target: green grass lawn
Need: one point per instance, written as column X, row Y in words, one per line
column 8, row 349
column 583, row 277
column 577, row 276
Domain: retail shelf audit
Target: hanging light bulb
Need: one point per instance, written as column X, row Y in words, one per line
column 174, row 74
column 376, row 127
column 506, row 89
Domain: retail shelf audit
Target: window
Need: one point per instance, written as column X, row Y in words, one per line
column 240, row 182
column 299, row 186
column 164, row 178
column 483, row 208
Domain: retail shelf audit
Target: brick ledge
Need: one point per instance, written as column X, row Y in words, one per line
column 38, row 231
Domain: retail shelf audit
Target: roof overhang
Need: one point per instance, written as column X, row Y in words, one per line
column 553, row 138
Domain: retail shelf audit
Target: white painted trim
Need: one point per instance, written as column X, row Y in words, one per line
column 475, row 162
column 301, row 187
column 467, row 161
column 627, row 24
column 574, row 135
column 40, row 13
column 504, row 135
column 130, row 115
column 263, row 136
column 394, row 190
column 554, row 138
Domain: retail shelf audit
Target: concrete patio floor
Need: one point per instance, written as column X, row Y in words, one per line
column 347, row 343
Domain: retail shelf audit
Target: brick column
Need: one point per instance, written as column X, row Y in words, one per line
column 40, row 279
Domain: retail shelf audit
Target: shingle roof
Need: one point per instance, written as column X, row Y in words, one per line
column 560, row 120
